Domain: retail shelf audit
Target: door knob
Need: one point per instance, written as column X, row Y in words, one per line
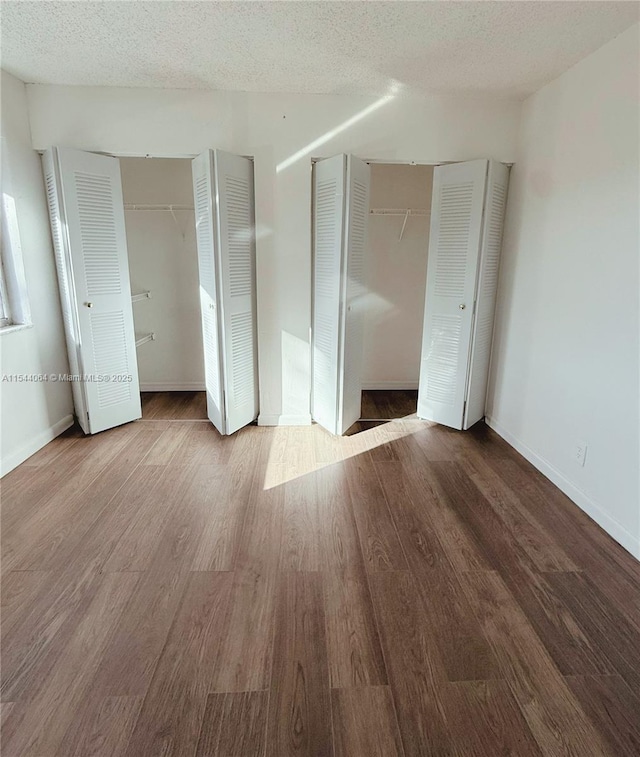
column 462, row 307
column 89, row 304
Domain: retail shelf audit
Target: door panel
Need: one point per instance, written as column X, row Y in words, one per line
column 358, row 182
column 454, row 243
column 340, row 220
column 234, row 181
column 225, row 234
column 495, row 204
column 84, row 192
column 206, row 217
column 329, row 178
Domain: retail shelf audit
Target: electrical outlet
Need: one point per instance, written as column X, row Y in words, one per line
column 580, row 454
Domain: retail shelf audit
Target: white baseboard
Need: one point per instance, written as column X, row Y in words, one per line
column 12, row 461
column 173, row 387
column 284, row 420
column 397, row 385
column 616, row 530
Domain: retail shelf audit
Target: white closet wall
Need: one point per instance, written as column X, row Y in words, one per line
column 163, row 260
column 395, row 273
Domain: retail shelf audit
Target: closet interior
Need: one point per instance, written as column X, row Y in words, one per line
column 163, row 270
column 395, row 270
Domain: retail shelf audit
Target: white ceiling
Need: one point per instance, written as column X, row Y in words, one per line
column 498, row 48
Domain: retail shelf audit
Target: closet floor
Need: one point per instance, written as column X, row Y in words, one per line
column 172, row 406
column 406, row 591
column 388, row 405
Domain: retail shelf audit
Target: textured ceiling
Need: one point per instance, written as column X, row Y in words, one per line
column 497, row 48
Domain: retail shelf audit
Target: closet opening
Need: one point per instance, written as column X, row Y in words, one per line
column 163, row 270
column 405, row 273
column 157, row 277
column 395, row 271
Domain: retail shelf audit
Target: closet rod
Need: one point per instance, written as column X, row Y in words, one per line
column 399, row 212
column 143, row 338
column 140, row 296
column 170, row 208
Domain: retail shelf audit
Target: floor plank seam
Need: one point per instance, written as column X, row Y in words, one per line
column 383, row 646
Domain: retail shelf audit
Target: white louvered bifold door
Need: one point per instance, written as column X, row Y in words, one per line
column 225, row 234
column 204, row 194
column 329, row 178
column 357, row 217
column 454, row 245
column 237, row 254
column 84, row 192
column 482, row 335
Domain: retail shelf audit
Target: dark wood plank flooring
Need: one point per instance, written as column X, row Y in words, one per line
column 383, row 405
column 404, row 591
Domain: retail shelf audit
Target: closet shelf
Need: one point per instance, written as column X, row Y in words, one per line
column 142, row 338
column 140, row 296
column 170, row 208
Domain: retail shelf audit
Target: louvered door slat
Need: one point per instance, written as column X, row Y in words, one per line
column 109, row 336
column 454, row 244
column 84, row 193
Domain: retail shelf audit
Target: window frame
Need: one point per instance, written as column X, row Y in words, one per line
column 5, row 305
column 15, row 312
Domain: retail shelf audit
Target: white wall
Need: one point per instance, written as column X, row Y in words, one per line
column 565, row 365
column 396, row 274
column 273, row 129
column 32, row 412
column 163, row 260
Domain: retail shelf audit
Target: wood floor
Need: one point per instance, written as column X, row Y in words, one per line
column 171, row 406
column 404, row 591
column 388, row 405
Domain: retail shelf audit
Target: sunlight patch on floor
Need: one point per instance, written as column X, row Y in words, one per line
column 297, row 451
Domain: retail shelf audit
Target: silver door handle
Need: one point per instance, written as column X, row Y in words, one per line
column 89, row 304
column 462, row 307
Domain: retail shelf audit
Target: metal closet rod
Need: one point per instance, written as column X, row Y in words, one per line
column 144, row 338
column 171, row 208
column 406, row 212
column 399, row 211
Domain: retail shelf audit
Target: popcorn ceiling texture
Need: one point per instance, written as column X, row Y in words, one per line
column 503, row 49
